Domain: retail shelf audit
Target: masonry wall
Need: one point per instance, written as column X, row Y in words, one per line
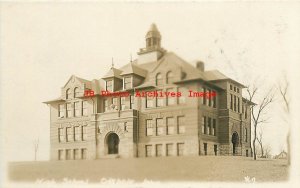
column 87, row 144
column 122, row 123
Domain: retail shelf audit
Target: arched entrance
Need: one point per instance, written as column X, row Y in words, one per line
column 235, row 142
column 112, row 143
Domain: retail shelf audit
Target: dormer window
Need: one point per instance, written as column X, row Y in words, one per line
column 76, row 92
column 159, row 80
column 170, row 77
column 127, row 82
column 68, row 93
column 109, row 85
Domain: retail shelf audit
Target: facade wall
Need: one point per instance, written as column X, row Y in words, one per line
column 129, row 124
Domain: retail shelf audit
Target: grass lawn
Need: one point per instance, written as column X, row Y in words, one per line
column 203, row 168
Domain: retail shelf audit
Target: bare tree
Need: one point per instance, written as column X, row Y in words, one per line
column 257, row 113
column 267, row 150
column 283, row 89
column 259, row 140
column 36, row 143
column 264, row 149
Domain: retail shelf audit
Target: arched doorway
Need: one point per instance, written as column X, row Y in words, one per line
column 112, row 142
column 235, row 142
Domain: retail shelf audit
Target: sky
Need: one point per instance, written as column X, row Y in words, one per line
column 43, row 44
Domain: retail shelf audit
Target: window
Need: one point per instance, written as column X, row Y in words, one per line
column 114, row 105
column 203, row 124
column 105, row 105
column 149, row 127
column 181, row 126
column 243, row 109
column 231, row 102
column 76, row 92
column 170, row 125
column 180, row 148
column 154, row 42
column 238, row 105
column 230, row 87
column 238, row 90
column 115, row 101
column 246, row 112
column 159, row 100
column 209, row 98
column 84, row 132
column 159, row 126
column 171, row 100
column 109, row 85
column 127, row 82
column 182, row 97
column 159, row 80
column 204, row 98
column 148, row 150
column 84, row 108
column 148, row 42
column 69, row 134
column 61, row 137
column 61, row 154
column 216, row 149
column 68, row 154
column 83, row 153
column 245, row 135
column 149, row 102
column 170, row 77
column 234, row 104
column 209, row 126
column 61, row 110
column 214, row 100
column 169, row 149
column 214, row 130
column 234, row 88
column 69, row 111
column 158, row 150
column 76, row 154
column 76, row 109
column 125, row 127
column 77, row 133
column 68, row 93
column 205, row 148
column 131, row 101
column 123, row 105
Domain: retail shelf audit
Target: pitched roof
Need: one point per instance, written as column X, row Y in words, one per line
column 87, row 82
column 59, row 99
column 214, row 75
column 113, row 72
column 132, row 68
column 191, row 71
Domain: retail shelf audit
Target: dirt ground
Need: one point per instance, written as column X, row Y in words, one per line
column 204, row 168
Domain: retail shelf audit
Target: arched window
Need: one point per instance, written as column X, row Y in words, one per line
column 76, row 92
column 159, row 80
column 170, row 77
column 68, row 93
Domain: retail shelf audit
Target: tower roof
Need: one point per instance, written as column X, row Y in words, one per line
column 153, row 31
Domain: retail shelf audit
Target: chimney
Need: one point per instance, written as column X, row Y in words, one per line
column 200, row 65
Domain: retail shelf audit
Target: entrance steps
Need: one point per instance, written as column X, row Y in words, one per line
column 110, row 156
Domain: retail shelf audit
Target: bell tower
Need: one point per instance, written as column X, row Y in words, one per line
column 153, row 37
column 153, row 50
